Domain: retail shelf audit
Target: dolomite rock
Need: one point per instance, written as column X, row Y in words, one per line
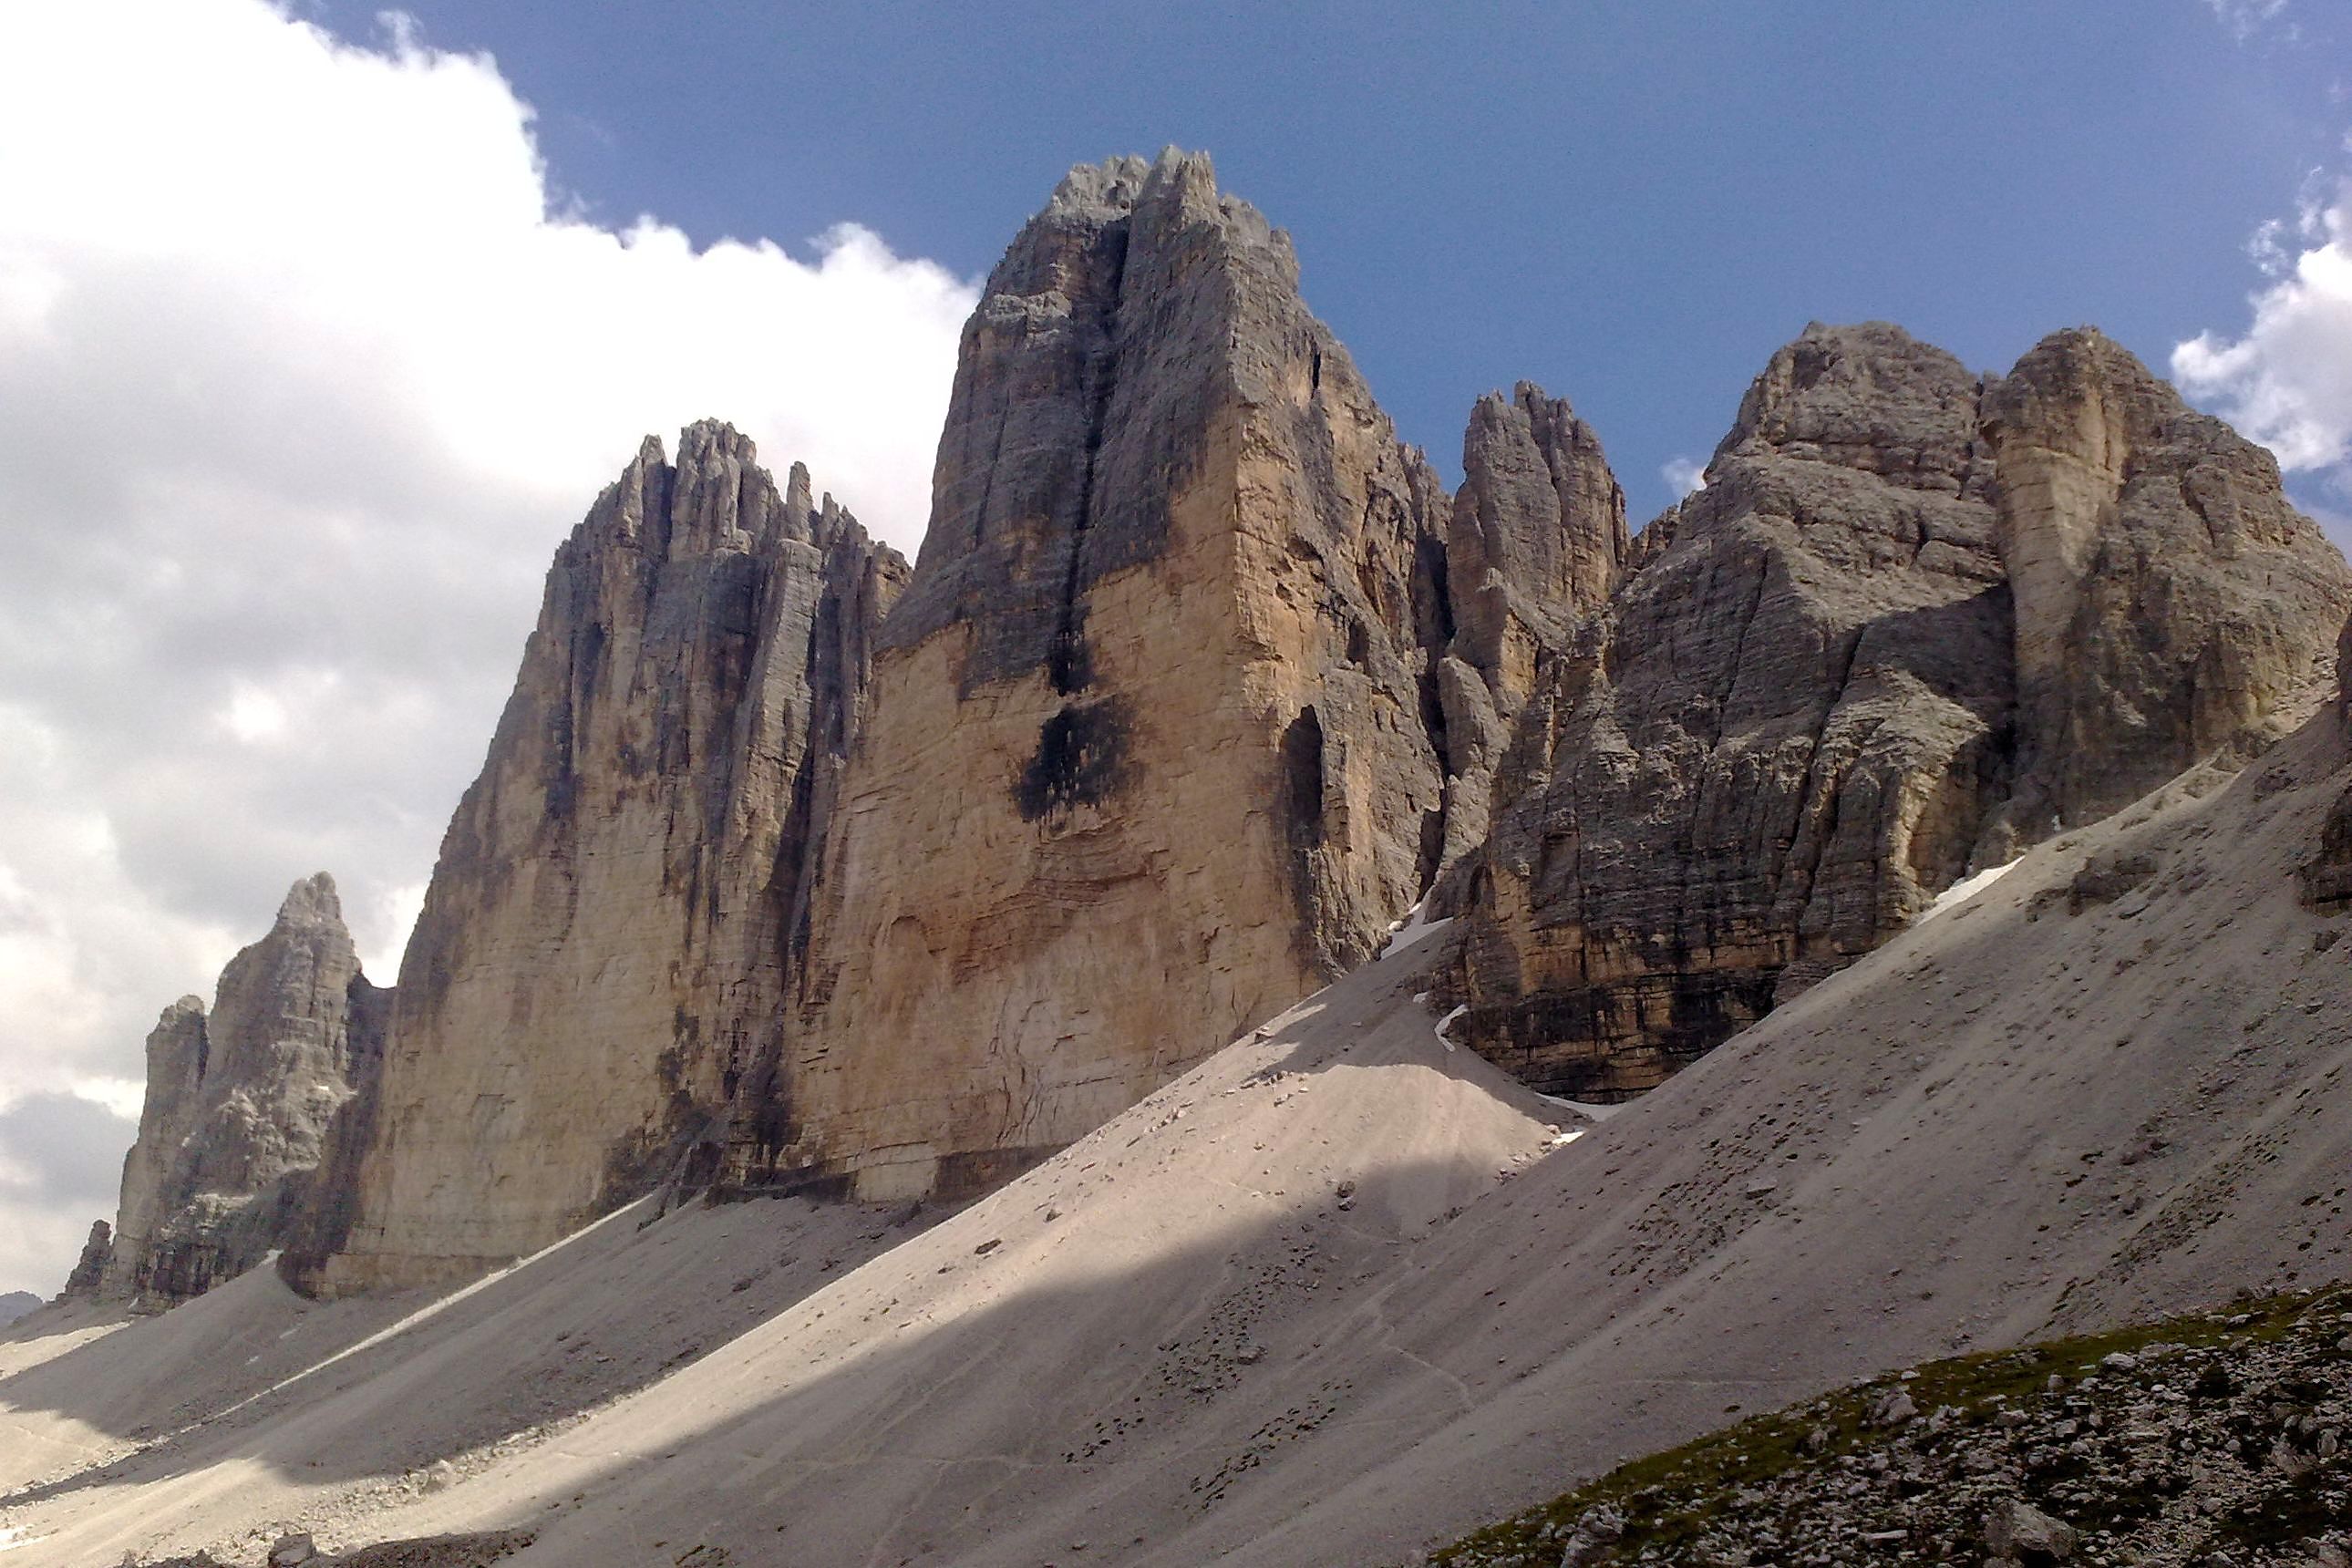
column 611, row 935
column 90, row 1269
column 2172, row 608
column 1776, row 745
column 1149, row 754
column 238, row 1104
column 1537, row 538
column 1915, row 620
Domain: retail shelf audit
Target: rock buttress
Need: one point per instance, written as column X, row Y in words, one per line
column 1537, row 541
column 1150, row 753
column 1915, row 620
column 610, row 938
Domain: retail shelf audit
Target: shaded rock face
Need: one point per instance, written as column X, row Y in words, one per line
column 1151, row 748
column 239, row 1105
column 1907, row 628
column 1536, row 542
column 612, row 932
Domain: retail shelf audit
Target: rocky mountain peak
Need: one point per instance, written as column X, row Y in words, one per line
column 614, row 930
column 238, row 1104
column 1868, row 397
column 311, row 904
column 1916, row 620
column 1168, row 647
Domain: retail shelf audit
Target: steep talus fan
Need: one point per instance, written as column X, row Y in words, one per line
column 1154, row 747
column 611, row 932
column 1916, row 620
column 238, row 1106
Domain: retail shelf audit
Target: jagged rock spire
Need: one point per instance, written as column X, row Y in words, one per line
column 611, row 933
column 1151, row 751
column 238, row 1104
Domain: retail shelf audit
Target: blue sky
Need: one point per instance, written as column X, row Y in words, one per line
column 1632, row 203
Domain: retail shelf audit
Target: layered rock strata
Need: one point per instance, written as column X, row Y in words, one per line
column 612, row 934
column 237, row 1108
column 1154, row 744
column 1915, row 620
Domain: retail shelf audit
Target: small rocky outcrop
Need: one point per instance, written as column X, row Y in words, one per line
column 1916, row 620
column 2217, row 1438
column 238, row 1108
column 614, row 930
column 89, row 1268
column 1151, row 748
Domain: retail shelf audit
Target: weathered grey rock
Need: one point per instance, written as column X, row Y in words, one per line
column 2016, row 1529
column 2172, row 608
column 1537, row 540
column 1150, row 755
column 614, row 928
column 1772, row 750
column 1817, row 701
column 238, row 1107
column 90, row 1269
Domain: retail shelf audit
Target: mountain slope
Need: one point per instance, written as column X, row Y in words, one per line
column 2100, row 1087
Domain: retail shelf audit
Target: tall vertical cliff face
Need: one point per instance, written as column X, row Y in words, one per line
column 611, row 933
column 1536, row 543
column 1915, row 620
column 1150, row 753
column 239, row 1105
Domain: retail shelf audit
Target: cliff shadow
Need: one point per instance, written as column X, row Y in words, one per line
column 880, row 1423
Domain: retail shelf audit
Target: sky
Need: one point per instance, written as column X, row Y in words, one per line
column 321, row 325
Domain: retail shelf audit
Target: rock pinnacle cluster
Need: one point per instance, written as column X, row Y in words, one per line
column 793, row 869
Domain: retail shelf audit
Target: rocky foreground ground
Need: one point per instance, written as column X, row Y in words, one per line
column 2215, row 1440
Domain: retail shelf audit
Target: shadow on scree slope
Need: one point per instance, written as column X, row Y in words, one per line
column 609, row 1311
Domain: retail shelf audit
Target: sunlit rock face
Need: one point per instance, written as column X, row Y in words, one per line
column 1153, row 746
column 611, row 937
column 1918, row 619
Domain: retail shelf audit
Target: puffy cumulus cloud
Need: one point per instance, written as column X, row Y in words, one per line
column 2287, row 379
column 1684, row 476
column 306, row 375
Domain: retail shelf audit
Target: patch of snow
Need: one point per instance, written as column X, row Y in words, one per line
column 1964, row 889
column 1583, row 1108
column 1415, row 927
column 1448, row 1019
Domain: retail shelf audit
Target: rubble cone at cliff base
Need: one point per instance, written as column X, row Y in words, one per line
column 237, row 1108
column 1150, row 751
column 1844, row 682
column 612, row 935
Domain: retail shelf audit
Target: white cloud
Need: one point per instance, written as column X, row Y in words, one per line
column 2244, row 18
column 306, row 374
column 2287, row 379
column 1682, row 476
